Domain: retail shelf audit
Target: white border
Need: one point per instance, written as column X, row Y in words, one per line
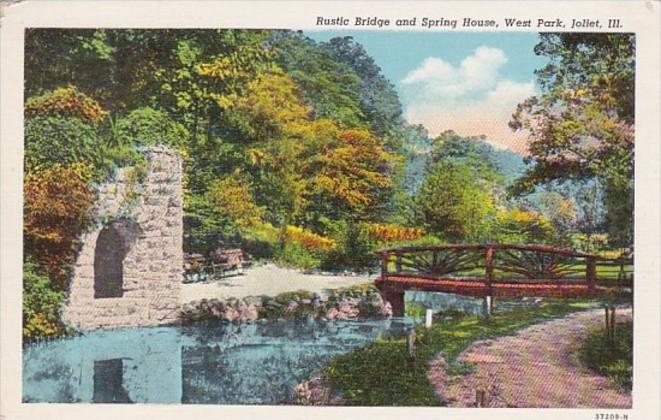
column 641, row 17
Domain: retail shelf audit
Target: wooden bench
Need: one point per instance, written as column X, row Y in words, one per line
column 223, row 260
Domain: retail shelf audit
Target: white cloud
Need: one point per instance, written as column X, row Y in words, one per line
column 471, row 98
column 475, row 73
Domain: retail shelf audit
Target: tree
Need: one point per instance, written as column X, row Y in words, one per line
column 353, row 174
column 452, row 204
column 231, row 198
column 581, row 125
column 561, row 213
column 56, row 208
column 149, row 127
column 63, row 127
column 331, row 88
column 472, row 152
column 378, row 99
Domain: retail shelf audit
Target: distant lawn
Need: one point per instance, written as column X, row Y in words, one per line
column 383, row 373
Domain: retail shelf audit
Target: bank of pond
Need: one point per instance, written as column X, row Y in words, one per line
column 212, row 361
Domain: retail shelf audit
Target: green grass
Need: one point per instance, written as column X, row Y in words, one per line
column 611, row 357
column 384, row 374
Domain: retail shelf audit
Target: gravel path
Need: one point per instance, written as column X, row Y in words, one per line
column 268, row 280
column 536, row 367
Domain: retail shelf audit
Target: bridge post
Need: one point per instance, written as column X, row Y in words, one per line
column 384, row 265
column 488, row 302
column 396, row 299
column 590, row 273
column 398, row 262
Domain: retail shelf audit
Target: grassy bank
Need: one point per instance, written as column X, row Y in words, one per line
column 384, row 374
column 612, row 357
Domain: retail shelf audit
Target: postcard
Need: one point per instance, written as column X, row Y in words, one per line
column 293, row 209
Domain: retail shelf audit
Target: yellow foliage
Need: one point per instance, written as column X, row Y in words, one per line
column 232, row 197
column 272, row 106
column 294, row 234
column 308, row 239
column 40, row 326
column 386, row 232
column 353, row 170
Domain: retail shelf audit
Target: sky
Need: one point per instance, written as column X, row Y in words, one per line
column 464, row 81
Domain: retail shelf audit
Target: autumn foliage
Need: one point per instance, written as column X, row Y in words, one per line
column 354, row 171
column 66, row 102
column 386, row 232
column 56, row 209
column 307, row 239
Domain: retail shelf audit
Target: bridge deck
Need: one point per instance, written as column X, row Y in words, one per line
column 478, row 288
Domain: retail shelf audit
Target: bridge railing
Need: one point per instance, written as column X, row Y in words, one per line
column 491, row 263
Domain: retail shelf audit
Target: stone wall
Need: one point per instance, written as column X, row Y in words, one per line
column 143, row 209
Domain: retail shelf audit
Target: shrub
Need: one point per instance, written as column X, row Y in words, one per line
column 296, row 255
column 385, row 232
column 41, row 306
column 522, row 226
column 149, row 127
column 307, row 239
column 355, row 249
column 52, row 140
column 612, row 357
column 453, row 204
column 66, row 102
column 56, row 210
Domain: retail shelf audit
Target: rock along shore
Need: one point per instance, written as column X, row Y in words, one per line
column 350, row 303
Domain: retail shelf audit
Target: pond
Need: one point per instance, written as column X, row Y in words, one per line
column 205, row 363
column 208, row 363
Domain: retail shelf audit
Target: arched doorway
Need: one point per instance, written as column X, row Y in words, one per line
column 112, row 245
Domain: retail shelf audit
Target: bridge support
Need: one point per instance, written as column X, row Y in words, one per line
column 395, row 298
column 487, row 306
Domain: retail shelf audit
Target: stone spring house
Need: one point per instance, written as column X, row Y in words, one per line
column 129, row 268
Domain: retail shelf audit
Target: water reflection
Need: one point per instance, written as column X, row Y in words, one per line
column 109, row 382
column 209, row 363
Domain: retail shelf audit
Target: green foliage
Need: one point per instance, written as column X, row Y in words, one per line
column 452, row 203
column 149, row 127
column 378, row 99
column 231, row 199
column 296, row 255
column 384, row 374
column 41, row 306
column 612, row 357
column 61, row 140
column 581, row 125
column 355, row 249
column 470, row 152
column 330, row 87
column 381, row 374
column 415, row 309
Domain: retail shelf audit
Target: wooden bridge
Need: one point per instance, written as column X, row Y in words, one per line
column 487, row 270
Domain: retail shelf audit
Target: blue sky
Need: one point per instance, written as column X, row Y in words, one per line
column 466, row 81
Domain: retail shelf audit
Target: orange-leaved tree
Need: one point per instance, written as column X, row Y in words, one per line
column 57, row 203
